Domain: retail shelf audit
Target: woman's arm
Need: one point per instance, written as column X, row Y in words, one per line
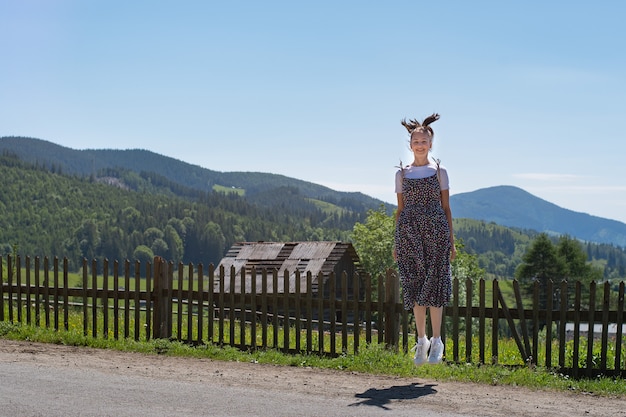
column 400, row 207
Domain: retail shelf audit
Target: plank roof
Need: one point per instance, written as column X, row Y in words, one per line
column 314, row 257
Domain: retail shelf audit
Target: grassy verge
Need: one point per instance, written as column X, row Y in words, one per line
column 372, row 359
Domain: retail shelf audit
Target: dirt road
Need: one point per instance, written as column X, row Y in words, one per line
column 106, row 382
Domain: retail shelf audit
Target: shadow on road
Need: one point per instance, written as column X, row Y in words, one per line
column 382, row 397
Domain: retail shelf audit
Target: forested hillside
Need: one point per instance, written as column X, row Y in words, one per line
column 255, row 186
column 133, row 216
column 115, row 212
column 514, row 207
column 500, row 249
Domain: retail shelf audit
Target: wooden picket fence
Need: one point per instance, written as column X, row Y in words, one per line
column 180, row 302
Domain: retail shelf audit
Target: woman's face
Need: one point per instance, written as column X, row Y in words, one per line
column 421, row 142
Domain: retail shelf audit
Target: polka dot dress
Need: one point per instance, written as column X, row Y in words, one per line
column 423, row 245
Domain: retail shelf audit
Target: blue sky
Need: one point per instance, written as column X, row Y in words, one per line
column 531, row 94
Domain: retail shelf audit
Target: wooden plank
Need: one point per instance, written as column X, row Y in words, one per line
column 286, row 326
column 309, row 312
column 85, row 299
column 619, row 322
column 468, row 320
column 2, row 286
column 126, row 295
column 576, row 348
column 512, row 327
column 116, row 301
column 548, row 324
column 253, row 304
column 380, row 307
column 186, row 298
column 149, row 274
column 231, row 307
column 562, row 322
column 591, row 323
column 356, row 297
column 332, row 296
column 344, row 312
column 66, row 298
column 320, row 312
column 264, row 317
column 169, row 284
column 455, row 319
column 18, row 289
column 46, row 290
column 368, row 308
column 481, row 320
column 221, row 301
column 242, row 308
column 27, row 291
column 495, row 322
column 37, row 291
column 275, row 308
column 94, row 299
column 605, row 325
column 404, row 316
column 298, row 312
column 105, row 296
column 10, row 262
column 179, row 301
column 200, row 302
column 137, row 304
column 535, row 323
column 211, row 304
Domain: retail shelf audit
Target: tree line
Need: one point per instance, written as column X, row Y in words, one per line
column 51, row 214
column 119, row 214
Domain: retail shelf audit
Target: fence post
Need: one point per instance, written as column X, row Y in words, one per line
column 162, row 320
column 392, row 295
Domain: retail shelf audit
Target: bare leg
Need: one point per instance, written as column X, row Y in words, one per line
column 436, row 317
column 420, row 320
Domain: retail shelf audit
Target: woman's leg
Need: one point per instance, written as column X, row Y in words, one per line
column 436, row 344
column 436, row 317
column 423, row 344
column 420, row 320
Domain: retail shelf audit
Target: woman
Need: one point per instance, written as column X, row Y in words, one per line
column 424, row 241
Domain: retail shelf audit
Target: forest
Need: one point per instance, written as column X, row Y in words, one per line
column 119, row 214
column 125, row 215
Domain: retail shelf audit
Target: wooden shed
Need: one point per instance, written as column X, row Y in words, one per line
column 324, row 257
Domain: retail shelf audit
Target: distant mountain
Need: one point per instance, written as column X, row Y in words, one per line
column 504, row 205
column 255, row 185
column 513, row 207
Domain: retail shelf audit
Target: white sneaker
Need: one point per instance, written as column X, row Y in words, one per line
column 421, row 352
column 436, row 351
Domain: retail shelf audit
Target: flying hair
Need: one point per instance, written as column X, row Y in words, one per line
column 413, row 125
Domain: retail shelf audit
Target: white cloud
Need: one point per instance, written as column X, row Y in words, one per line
column 537, row 176
column 578, row 189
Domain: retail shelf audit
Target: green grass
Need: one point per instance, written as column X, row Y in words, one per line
column 326, row 207
column 228, row 190
column 372, row 359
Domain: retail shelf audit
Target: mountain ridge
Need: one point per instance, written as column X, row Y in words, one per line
column 514, row 207
column 505, row 205
column 91, row 161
